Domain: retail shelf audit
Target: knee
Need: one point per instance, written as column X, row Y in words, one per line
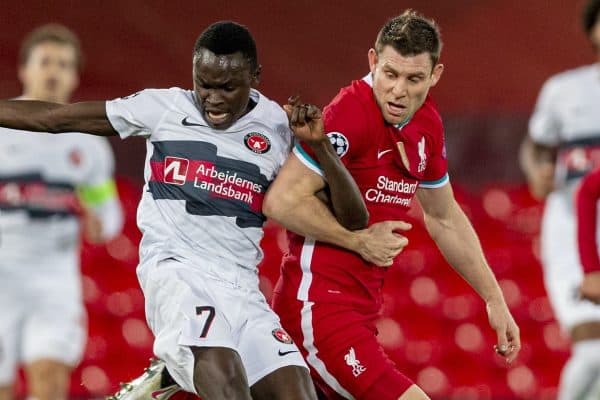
column 47, row 380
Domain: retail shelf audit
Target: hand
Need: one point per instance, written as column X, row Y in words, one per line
column 541, row 180
column 590, row 287
column 379, row 243
column 507, row 331
column 92, row 226
column 306, row 121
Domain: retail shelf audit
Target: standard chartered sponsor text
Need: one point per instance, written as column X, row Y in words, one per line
column 379, row 195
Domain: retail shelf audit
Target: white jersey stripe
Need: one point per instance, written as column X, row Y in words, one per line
column 312, row 359
column 305, row 260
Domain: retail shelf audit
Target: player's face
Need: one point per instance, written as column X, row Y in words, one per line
column 50, row 73
column 222, row 84
column 401, row 83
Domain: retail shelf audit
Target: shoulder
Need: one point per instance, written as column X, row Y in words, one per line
column 353, row 106
column 579, row 75
column 270, row 113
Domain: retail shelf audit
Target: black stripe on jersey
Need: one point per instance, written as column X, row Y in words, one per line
column 34, row 209
column 202, row 202
column 36, row 213
column 592, row 140
column 36, row 177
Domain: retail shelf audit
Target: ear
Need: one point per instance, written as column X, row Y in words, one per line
column 21, row 74
column 372, row 55
column 436, row 74
column 256, row 77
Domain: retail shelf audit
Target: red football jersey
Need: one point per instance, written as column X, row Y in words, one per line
column 388, row 164
column 587, row 221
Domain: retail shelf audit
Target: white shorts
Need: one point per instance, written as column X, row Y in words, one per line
column 42, row 317
column 211, row 305
column 560, row 258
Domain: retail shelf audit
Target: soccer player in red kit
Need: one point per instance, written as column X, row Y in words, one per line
column 389, row 135
column 587, row 234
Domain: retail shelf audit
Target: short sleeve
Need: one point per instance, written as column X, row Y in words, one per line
column 436, row 173
column 139, row 114
column 346, row 126
column 544, row 125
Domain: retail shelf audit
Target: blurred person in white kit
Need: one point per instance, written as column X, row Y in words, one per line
column 51, row 190
column 562, row 147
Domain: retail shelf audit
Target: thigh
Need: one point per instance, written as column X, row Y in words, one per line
column 10, row 342
column 264, row 345
column 184, row 311
column 55, row 327
column 345, row 357
column 219, row 374
column 286, row 383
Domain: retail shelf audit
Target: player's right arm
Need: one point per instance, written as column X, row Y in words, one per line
column 538, row 163
column 291, row 202
column 587, row 223
column 87, row 117
column 538, row 151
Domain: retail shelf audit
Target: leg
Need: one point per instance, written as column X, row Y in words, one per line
column 6, row 392
column 219, row 374
column 48, row 379
column 340, row 347
column 290, row 383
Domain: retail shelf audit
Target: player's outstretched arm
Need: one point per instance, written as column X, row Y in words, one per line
column 455, row 237
column 307, row 124
column 87, row 117
column 291, row 201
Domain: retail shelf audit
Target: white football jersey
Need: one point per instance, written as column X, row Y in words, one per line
column 39, row 176
column 204, row 188
column 567, row 115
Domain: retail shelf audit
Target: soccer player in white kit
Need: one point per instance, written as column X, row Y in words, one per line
column 563, row 145
column 211, row 154
column 45, row 185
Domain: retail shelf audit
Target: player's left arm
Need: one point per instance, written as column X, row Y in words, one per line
column 102, row 216
column 455, row 237
column 587, row 223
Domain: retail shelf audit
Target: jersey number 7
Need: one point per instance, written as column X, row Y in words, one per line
column 207, row 312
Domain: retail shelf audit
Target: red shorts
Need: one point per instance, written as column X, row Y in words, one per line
column 340, row 346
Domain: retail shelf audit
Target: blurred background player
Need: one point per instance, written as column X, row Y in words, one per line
column 587, row 198
column 45, row 186
column 562, row 146
column 389, row 135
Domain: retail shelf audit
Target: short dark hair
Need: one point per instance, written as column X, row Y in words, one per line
column 411, row 34
column 228, row 37
column 589, row 17
column 55, row 33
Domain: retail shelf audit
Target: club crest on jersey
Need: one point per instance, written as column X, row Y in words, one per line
column 339, row 142
column 422, row 155
column 257, row 142
column 175, row 171
column 282, row 336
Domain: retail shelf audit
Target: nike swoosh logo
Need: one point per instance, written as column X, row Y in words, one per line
column 185, row 122
column 381, row 153
column 283, row 353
